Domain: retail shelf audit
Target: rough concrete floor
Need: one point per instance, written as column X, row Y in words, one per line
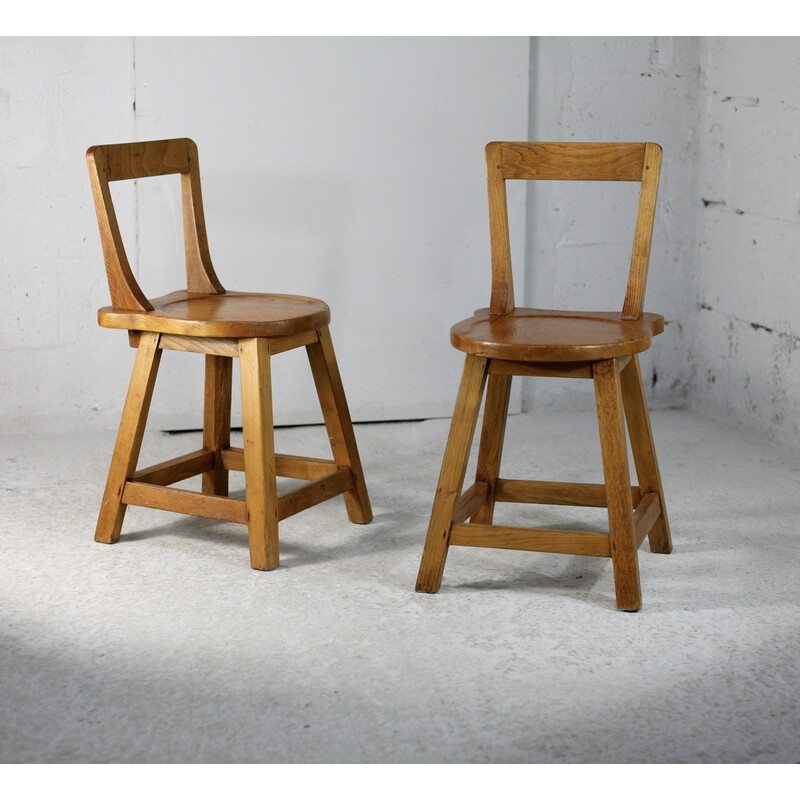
column 167, row 647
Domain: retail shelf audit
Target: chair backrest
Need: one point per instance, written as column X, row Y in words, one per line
column 122, row 162
column 564, row 161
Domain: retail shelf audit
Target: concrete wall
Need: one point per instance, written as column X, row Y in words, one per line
column 352, row 170
column 580, row 234
column 348, row 169
column 724, row 264
column 746, row 303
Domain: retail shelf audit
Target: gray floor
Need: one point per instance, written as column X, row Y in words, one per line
column 167, row 647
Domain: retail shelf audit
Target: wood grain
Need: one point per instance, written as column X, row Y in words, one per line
column 184, row 501
column 502, row 301
column 451, row 476
column 592, row 495
column 571, row 161
column 217, row 421
column 338, row 424
column 259, row 453
column 231, row 315
column 286, row 466
column 613, row 445
column 549, row 336
column 204, row 318
column 470, row 501
column 176, row 469
column 503, row 340
column 644, row 451
column 645, row 516
column 543, row 540
column 643, row 235
column 493, row 431
column 129, row 439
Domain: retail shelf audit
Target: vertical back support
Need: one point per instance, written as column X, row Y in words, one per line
column 143, row 160
column 571, row 161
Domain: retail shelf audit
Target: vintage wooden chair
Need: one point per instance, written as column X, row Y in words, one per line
column 502, row 341
column 222, row 325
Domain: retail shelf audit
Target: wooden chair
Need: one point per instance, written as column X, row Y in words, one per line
column 223, row 325
column 502, row 341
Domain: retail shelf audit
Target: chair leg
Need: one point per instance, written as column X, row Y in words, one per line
column 495, row 414
column 333, row 401
column 451, row 477
column 644, row 452
column 614, row 448
column 129, row 438
column 217, row 421
column 261, row 492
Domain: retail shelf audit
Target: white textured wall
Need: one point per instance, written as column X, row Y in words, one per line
column 348, row 169
column 353, row 170
column 57, row 368
column 724, row 264
column 746, row 307
column 580, row 234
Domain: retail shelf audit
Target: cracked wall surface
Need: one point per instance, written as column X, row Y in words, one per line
column 724, row 269
column 580, row 234
column 743, row 349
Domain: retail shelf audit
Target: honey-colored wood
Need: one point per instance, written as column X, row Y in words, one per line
column 451, row 477
column 642, row 238
column 124, row 290
column 226, row 509
column 502, row 300
column 176, row 469
column 543, row 540
column 645, row 516
column 592, row 495
column 538, row 335
column 200, row 275
column 300, row 467
column 332, row 399
column 644, row 452
column 470, row 501
column 217, row 421
column 223, row 347
column 231, row 315
column 317, row 491
column 129, row 439
column 259, row 453
column 204, row 318
column 530, row 369
column 183, row 501
column 192, row 344
column 608, row 394
column 493, row 431
column 571, row 161
column 108, row 163
column 503, row 340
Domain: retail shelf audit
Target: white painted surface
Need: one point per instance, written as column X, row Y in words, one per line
column 746, row 304
column 723, row 269
column 347, row 169
column 352, row 170
column 580, row 234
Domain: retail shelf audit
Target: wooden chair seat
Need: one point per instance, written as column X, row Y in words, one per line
column 532, row 334
column 222, row 325
column 233, row 314
column 603, row 346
